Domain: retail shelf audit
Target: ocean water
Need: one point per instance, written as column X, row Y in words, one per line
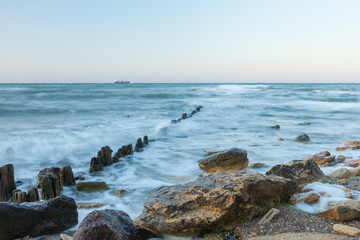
column 66, row 124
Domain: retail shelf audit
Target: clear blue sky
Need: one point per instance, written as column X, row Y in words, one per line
column 180, row 41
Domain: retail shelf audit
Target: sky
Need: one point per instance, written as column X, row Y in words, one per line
column 179, row 41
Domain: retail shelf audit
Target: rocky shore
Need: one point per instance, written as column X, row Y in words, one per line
column 229, row 201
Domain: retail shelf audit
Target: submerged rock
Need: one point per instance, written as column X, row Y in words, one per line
column 302, row 172
column 109, row 224
column 321, row 158
column 146, row 140
column 275, row 126
column 7, row 182
column 38, row 218
column 212, row 202
column 91, row 186
column 139, row 145
column 234, row 159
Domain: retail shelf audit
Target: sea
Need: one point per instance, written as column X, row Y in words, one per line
column 54, row 125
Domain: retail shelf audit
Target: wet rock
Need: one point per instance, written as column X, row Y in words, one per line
column 212, row 202
column 199, row 108
column 321, row 158
column 275, row 126
column 139, row 145
column 340, row 213
column 302, row 172
column 301, row 236
column 123, row 151
column 104, row 155
column 109, row 224
column 91, row 186
column 79, row 177
column 50, row 185
column 234, row 159
column 354, row 162
column 146, row 140
column 7, row 182
column 311, row 197
column 302, row 138
column 184, row 116
column 210, row 153
column 173, row 122
column 88, row 205
column 352, row 143
column 345, row 173
column 119, row 192
column 344, row 229
column 19, row 196
column 67, row 176
column 341, row 148
column 33, row 195
column 39, row 218
column 95, row 165
column 256, row 165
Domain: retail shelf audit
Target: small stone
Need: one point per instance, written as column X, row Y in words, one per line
column 275, row 126
column 66, row 237
column 238, row 233
column 349, row 195
column 307, row 190
column 350, row 231
column 173, row 122
column 340, row 149
column 281, row 139
column 346, row 190
column 328, row 195
column 343, row 181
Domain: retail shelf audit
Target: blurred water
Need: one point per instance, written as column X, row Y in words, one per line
column 60, row 124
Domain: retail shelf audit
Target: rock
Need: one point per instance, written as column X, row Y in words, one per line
column 344, row 229
column 234, row 159
column 67, row 176
column 302, row 138
column 355, row 147
column 50, row 186
column 66, row 237
column 269, row 216
column 33, row 195
column 199, row 108
column 340, row 213
column 340, row 159
column 7, row 182
column 281, row 139
column 349, row 195
column 352, row 143
column 256, row 165
column 302, row 172
column 341, row 148
column 212, row 202
column 119, row 192
column 104, row 155
column 95, row 165
column 146, row 140
column 80, row 177
column 89, row 205
column 311, row 197
column 211, row 236
column 321, row 158
column 109, row 224
column 173, row 122
column 139, row 145
column 354, row 162
column 19, row 196
column 301, row 236
column 91, row 186
column 210, row 153
column 345, row 173
column 184, row 116
column 275, row 126
column 38, row 218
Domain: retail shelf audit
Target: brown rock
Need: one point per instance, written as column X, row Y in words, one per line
column 234, row 159
column 67, row 176
column 349, row 195
column 256, row 165
column 139, row 145
column 7, row 182
column 269, row 216
column 344, row 229
column 354, row 162
column 320, row 158
column 104, row 155
column 91, row 186
column 212, row 202
column 352, row 143
column 88, row 205
column 49, row 181
column 302, row 172
column 341, row 148
column 340, row 213
column 95, row 165
column 33, row 195
column 300, row 236
column 312, row 197
column 19, row 196
column 146, row 140
column 345, row 173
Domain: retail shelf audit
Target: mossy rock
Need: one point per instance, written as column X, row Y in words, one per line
column 91, row 186
column 275, row 126
column 302, row 138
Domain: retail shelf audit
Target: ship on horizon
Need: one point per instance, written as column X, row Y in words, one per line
column 120, row 82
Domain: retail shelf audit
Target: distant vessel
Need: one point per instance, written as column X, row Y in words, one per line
column 121, row 82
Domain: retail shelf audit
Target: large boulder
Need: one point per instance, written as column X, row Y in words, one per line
column 7, row 182
column 302, row 172
column 37, row 218
column 321, row 158
column 234, row 159
column 109, row 224
column 213, row 202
